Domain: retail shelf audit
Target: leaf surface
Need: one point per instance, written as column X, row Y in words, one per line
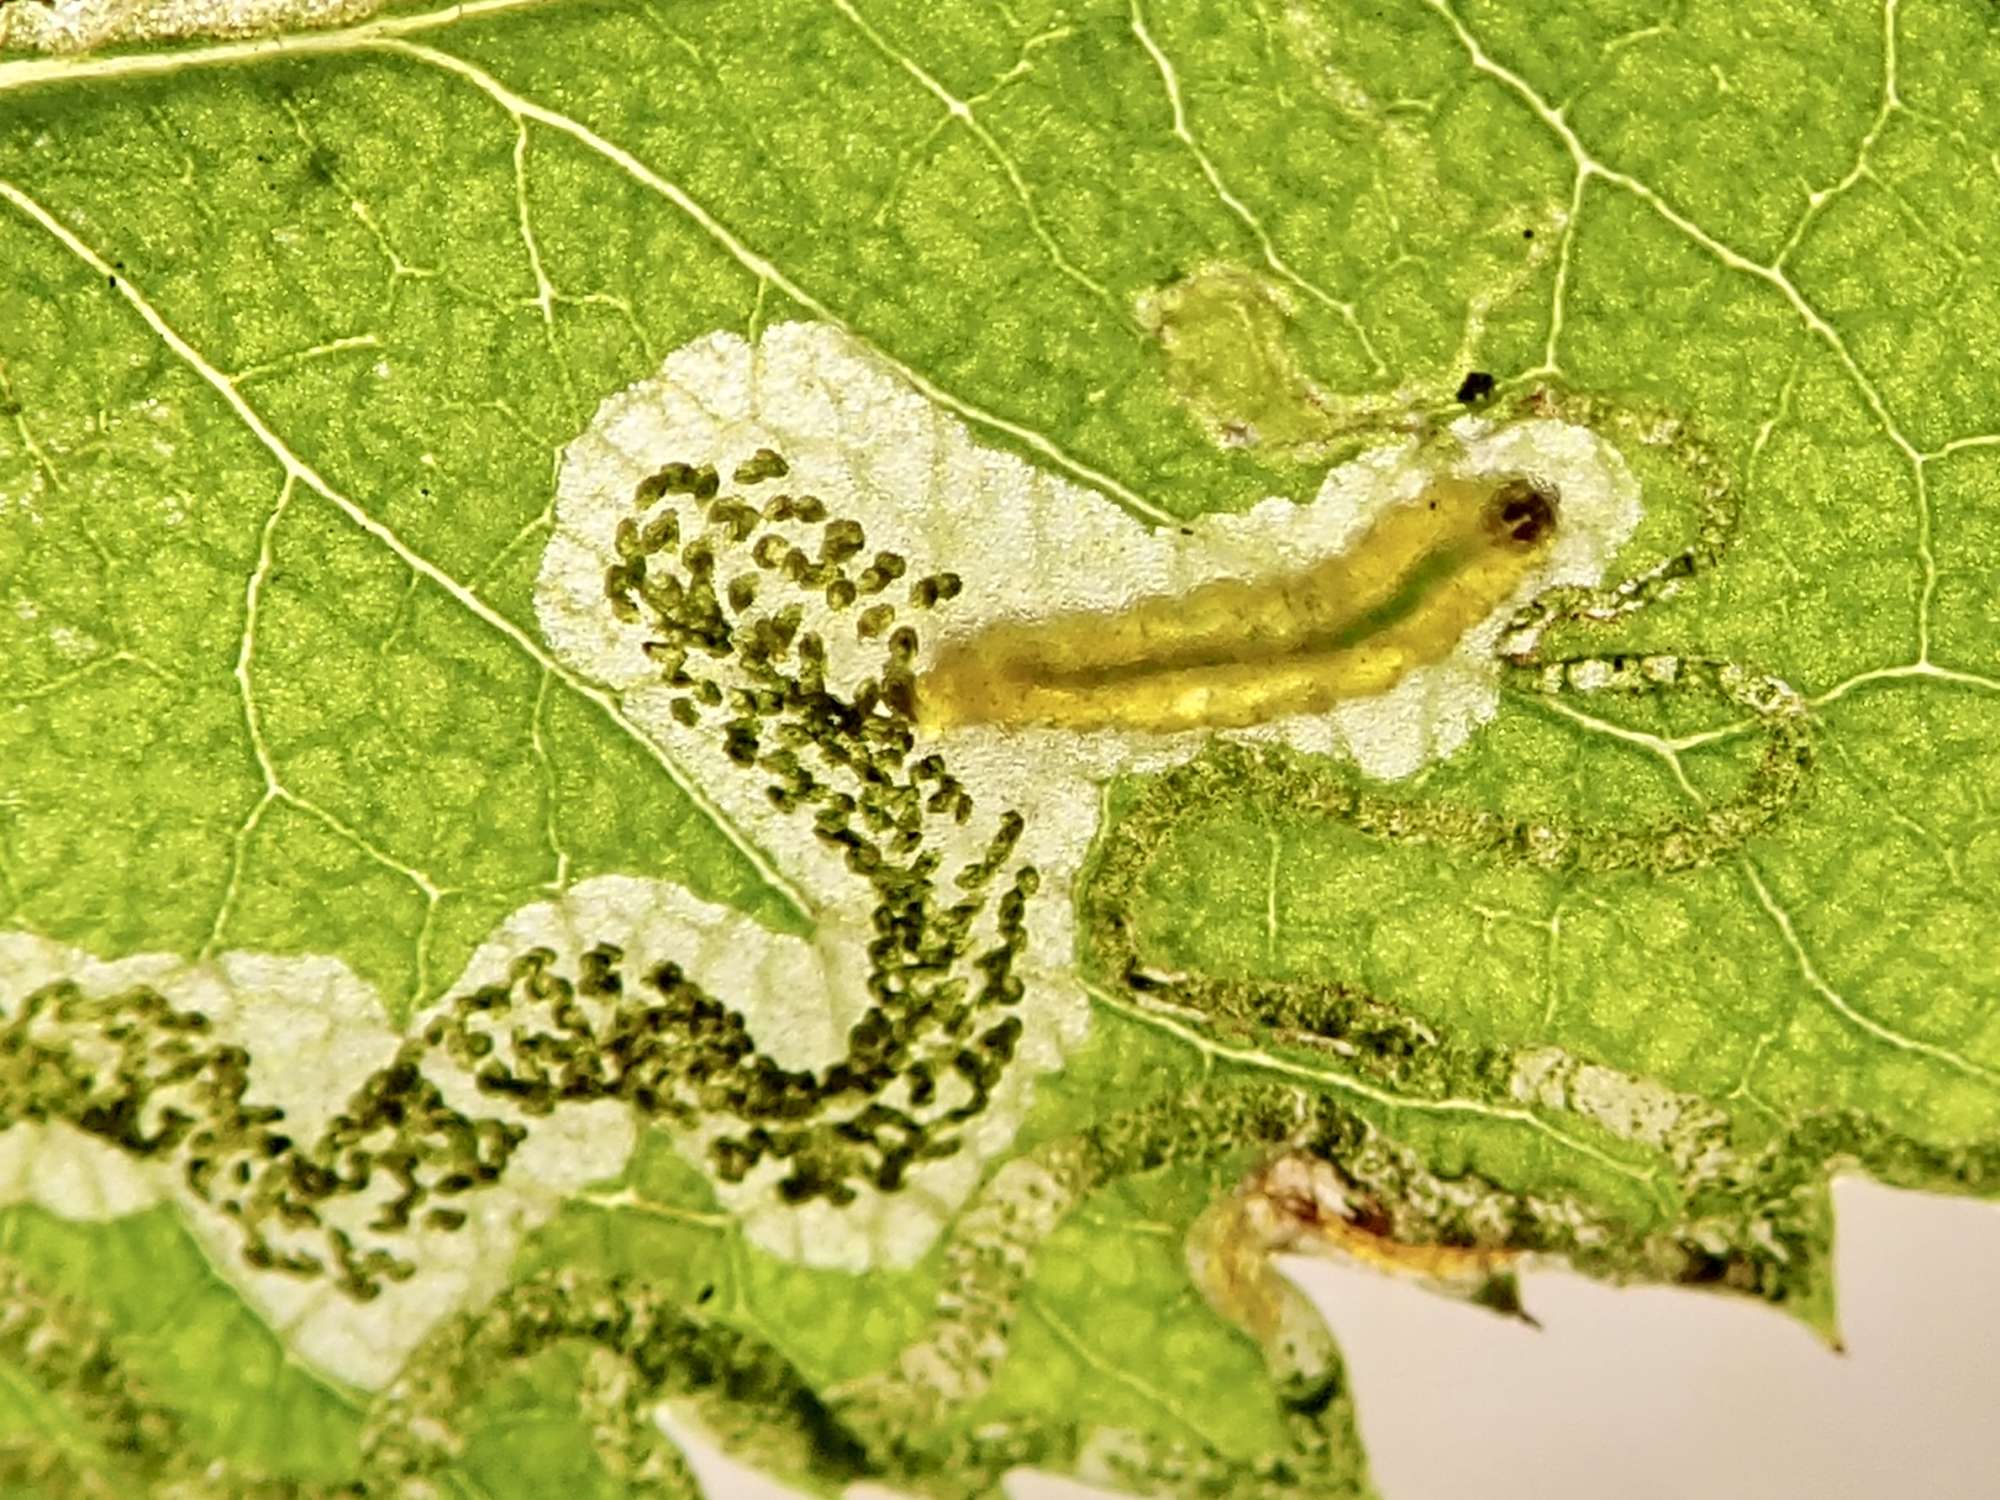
column 306, row 332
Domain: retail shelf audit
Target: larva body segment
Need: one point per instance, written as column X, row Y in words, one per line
column 1235, row 652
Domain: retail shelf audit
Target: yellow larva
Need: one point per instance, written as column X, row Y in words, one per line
column 1233, row 653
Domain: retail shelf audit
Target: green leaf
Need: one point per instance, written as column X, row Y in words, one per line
column 414, row 427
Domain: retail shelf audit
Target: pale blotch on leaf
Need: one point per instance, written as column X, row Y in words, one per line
column 1226, row 348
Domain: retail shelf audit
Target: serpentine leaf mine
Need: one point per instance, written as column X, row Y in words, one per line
column 902, row 667
column 795, row 728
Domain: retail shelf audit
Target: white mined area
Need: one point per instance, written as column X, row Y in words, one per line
column 1027, row 544
column 799, row 998
column 314, row 1032
column 79, row 25
column 1692, row 1131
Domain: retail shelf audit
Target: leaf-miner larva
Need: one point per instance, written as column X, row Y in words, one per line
column 830, row 575
column 1235, row 652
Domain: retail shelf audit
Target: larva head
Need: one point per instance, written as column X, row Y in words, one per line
column 1521, row 513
